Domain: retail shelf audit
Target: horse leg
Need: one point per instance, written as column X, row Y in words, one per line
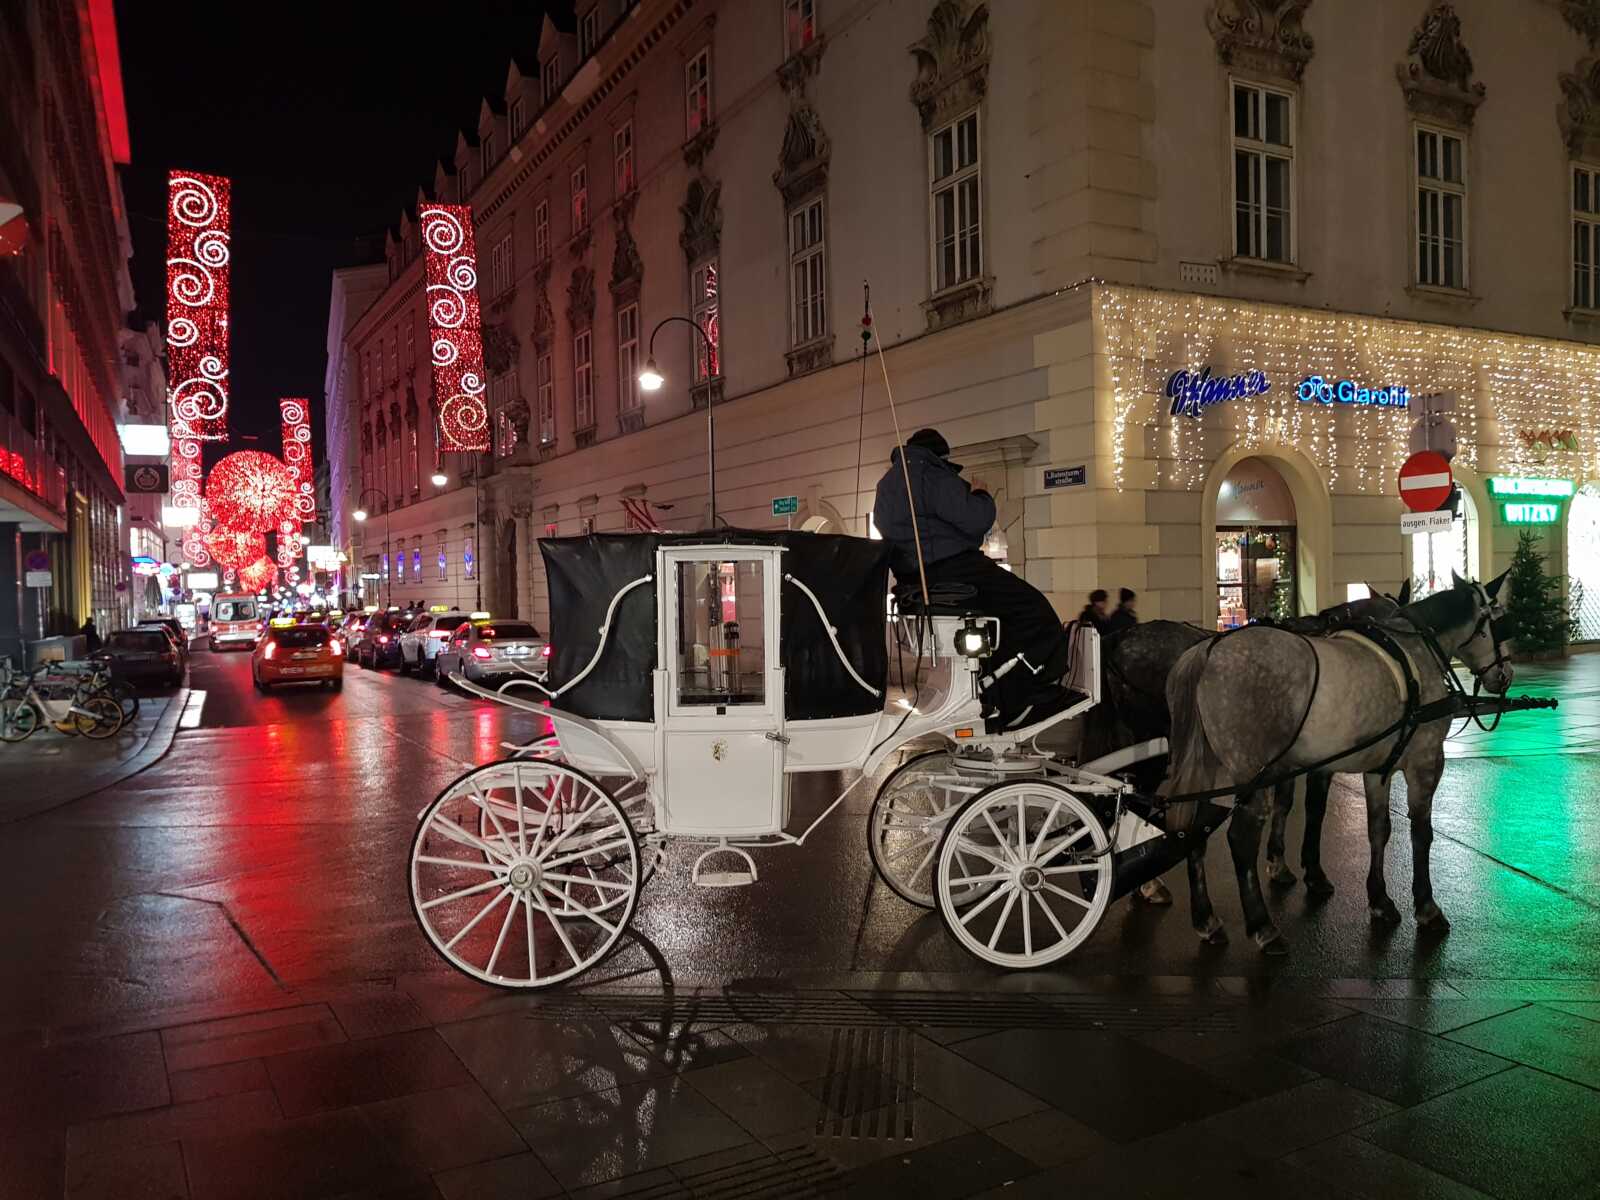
column 1379, row 907
column 1422, row 780
column 1317, row 881
column 1244, row 839
column 1278, row 872
column 1206, row 925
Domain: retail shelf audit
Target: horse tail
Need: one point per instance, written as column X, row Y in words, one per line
column 1195, row 766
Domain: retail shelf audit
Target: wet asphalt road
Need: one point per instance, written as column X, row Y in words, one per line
column 267, row 853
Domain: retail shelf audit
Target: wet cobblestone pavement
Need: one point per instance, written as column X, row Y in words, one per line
column 215, row 989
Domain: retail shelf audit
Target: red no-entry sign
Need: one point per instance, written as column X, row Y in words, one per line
column 1425, row 481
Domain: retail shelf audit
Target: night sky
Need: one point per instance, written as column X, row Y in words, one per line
column 326, row 116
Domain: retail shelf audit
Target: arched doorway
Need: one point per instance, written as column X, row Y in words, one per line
column 1257, row 545
column 1436, row 556
column 1583, row 561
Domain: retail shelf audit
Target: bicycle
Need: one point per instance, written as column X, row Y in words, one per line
column 100, row 680
column 94, row 714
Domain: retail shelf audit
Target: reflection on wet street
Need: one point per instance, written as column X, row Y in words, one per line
column 216, row 987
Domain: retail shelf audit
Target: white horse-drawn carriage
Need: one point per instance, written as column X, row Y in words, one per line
column 693, row 676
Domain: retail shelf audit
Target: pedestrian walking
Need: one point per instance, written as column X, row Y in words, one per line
column 1097, row 612
column 1126, row 615
column 90, row 635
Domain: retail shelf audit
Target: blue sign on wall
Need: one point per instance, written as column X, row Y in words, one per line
column 1059, row 477
column 1314, row 389
column 1192, row 392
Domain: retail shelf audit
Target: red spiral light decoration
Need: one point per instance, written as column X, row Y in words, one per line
column 197, row 305
column 454, row 330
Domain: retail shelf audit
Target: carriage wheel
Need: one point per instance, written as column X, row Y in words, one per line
column 1044, row 855
column 909, row 817
column 517, row 909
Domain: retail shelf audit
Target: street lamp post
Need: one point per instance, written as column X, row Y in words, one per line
column 438, row 479
column 651, row 379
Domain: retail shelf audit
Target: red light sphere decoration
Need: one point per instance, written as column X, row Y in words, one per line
column 197, row 305
column 258, row 576
column 451, row 267
column 235, row 547
column 249, row 490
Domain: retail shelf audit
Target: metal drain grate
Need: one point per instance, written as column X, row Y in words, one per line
column 869, row 1088
column 799, row 1172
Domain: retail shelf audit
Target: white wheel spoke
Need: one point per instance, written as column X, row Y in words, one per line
column 559, row 928
column 967, row 846
column 1074, row 869
column 533, row 954
column 1054, row 920
column 576, row 821
column 471, row 891
column 594, row 883
column 584, row 909
column 493, row 820
column 576, row 855
column 455, row 833
column 466, row 864
column 999, row 925
column 1043, row 829
column 998, row 836
column 1027, row 924
column 1061, row 843
column 482, row 913
column 511, row 911
column 970, row 880
column 1022, row 828
column 966, row 917
column 1078, row 900
column 544, row 822
column 912, row 847
column 522, row 824
column 926, row 859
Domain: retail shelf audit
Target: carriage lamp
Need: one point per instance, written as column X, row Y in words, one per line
column 972, row 639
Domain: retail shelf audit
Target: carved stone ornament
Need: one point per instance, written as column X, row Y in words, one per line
column 627, row 267
column 394, row 418
column 382, row 432
column 1437, row 74
column 519, row 414
column 366, row 438
column 802, row 66
column 1579, row 114
column 544, row 320
column 499, row 348
column 699, row 146
column 709, row 391
column 952, row 61
column 1264, row 36
column 702, row 219
column 813, row 356
column 411, row 404
column 803, row 159
column 972, row 299
column 631, row 420
column 580, row 296
column 1584, row 17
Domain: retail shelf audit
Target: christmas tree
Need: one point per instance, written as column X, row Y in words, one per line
column 1535, row 606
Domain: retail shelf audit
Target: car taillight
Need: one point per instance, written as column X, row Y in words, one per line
column 482, row 652
column 334, row 647
column 442, row 634
column 547, row 651
column 272, row 648
column 383, row 640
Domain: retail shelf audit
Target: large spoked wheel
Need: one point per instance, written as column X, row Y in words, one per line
column 101, row 717
column 1044, row 855
column 542, row 899
column 908, row 818
column 18, row 719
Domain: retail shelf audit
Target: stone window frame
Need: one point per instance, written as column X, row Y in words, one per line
column 1589, row 219
column 794, row 43
column 937, row 187
column 628, row 398
column 1420, row 127
column 545, row 373
column 1259, row 145
column 817, row 251
column 541, row 229
column 691, row 85
column 583, row 374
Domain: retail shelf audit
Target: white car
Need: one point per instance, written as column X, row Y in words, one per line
column 425, row 637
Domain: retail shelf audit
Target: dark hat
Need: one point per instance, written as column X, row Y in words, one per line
column 930, row 439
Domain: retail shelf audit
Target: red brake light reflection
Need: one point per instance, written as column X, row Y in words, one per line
column 271, row 649
column 482, row 652
column 547, row 651
column 383, row 639
column 334, row 647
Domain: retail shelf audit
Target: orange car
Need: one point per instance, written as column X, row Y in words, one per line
column 290, row 652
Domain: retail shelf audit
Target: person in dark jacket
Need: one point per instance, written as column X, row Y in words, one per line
column 90, row 635
column 1094, row 613
column 953, row 518
column 1126, row 616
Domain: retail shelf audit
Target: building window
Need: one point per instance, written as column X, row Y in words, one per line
column 800, row 24
column 628, row 358
column 1263, row 173
column 519, row 117
column 1441, row 209
column 703, row 306
column 589, row 32
column 486, row 154
column 547, row 401
column 550, row 74
column 469, row 563
column 502, row 391
column 622, row 158
column 469, row 180
column 411, row 455
column 583, row 379
column 697, row 91
column 957, row 207
column 416, row 562
column 1585, row 237
column 366, row 376
column 808, row 310
column 444, row 561
column 501, row 267
column 580, row 199
column 541, row 231
column 394, row 356
column 411, row 345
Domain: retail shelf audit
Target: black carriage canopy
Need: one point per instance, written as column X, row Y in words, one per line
column 848, row 575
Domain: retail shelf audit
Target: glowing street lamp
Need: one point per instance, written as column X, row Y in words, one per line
column 651, row 380
column 439, row 479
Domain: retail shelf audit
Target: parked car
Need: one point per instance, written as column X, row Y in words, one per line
column 178, row 640
column 488, row 652
column 179, row 633
column 235, row 621
column 144, row 655
column 292, row 652
column 379, row 644
column 425, row 637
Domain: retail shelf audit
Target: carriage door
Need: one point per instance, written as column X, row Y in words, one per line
column 722, row 751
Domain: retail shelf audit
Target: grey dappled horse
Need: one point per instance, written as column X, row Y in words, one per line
column 1255, row 701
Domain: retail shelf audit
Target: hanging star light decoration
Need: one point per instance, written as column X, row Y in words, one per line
column 451, row 275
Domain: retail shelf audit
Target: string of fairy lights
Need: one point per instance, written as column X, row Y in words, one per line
column 1506, row 388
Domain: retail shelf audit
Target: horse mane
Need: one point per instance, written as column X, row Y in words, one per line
column 1443, row 609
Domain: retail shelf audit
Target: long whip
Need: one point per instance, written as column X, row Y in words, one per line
column 905, row 467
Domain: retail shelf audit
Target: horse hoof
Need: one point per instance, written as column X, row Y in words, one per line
column 1212, row 933
column 1319, row 885
column 1384, row 914
column 1271, row 942
column 1431, row 920
column 1278, row 873
column 1154, row 893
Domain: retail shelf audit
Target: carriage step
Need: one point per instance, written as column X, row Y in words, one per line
column 733, row 876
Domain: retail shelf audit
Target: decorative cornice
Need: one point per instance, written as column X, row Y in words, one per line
column 1264, row 36
column 964, row 303
column 1579, row 114
column 952, row 61
column 1436, row 76
column 813, row 356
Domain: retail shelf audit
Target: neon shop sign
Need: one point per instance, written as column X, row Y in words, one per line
column 1314, row 389
column 1192, row 392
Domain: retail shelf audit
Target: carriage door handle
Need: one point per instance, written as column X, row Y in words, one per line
column 777, row 737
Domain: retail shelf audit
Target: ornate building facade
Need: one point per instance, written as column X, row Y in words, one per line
column 1069, row 218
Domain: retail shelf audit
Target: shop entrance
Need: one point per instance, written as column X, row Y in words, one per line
column 1583, row 561
column 1435, row 557
column 1255, row 546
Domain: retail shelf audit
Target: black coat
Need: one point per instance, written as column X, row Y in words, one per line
column 951, row 516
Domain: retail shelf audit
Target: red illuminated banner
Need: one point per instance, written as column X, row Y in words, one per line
column 197, row 305
column 453, row 327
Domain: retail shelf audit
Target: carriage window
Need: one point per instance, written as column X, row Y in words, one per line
column 721, row 646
